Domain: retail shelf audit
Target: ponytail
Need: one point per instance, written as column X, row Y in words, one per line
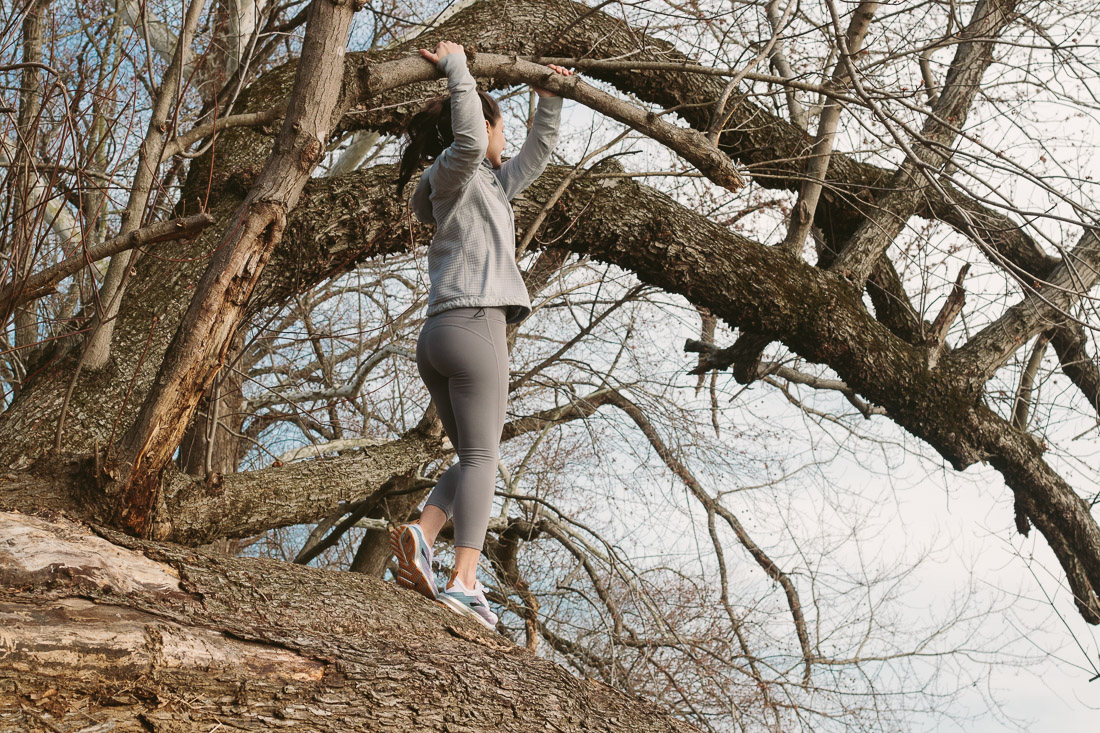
column 429, row 133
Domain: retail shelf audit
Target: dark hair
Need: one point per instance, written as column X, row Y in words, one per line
column 429, row 132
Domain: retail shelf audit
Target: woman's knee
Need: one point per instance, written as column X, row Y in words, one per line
column 479, row 457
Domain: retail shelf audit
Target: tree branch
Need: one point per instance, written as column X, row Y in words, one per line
column 42, row 283
column 710, row 504
column 973, row 56
column 1047, row 305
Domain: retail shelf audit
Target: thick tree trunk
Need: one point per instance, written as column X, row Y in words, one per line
column 211, row 443
column 202, row 341
column 99, row 630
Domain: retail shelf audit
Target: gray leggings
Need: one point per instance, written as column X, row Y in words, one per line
column 462, row 356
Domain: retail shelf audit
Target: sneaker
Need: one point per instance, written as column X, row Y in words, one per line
column 414, row 559
column 469, row 602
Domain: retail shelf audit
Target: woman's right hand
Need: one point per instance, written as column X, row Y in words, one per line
column 441, row 49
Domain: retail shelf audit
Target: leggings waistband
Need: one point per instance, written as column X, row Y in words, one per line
column 492, row 312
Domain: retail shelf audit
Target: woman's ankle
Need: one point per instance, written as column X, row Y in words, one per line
column 467, row 582
column 428, row 536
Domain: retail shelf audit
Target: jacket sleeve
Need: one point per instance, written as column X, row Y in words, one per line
column 518, row 173
column 457, row 164
column 421, row 200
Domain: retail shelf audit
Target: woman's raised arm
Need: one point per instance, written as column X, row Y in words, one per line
column 457, row 164
column 518, row 173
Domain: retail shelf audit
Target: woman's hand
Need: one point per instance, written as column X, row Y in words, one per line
column 561, row 70
column 441, row 49
column 445, row 47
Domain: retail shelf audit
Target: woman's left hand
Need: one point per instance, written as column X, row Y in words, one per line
column 561, row 70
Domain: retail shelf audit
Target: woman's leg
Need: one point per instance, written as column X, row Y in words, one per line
column 437, row 509
column 431, row 520
column 468, row 349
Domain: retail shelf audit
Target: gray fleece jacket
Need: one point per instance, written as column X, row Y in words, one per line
column 472, row 257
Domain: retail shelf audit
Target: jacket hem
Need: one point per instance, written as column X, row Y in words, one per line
column 515, row 313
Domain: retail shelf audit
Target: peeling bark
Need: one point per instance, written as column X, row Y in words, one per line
column 99, row 628
column 201, row 343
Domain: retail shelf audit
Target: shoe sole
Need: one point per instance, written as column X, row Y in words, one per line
column 463, row 610
column 406, row 548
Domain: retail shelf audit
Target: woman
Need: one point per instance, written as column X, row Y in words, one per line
column 476, row 289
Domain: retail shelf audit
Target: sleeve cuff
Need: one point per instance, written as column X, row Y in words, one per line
column 551, row 104
column 451, row 61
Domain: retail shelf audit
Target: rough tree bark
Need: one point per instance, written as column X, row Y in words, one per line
column 98, row 628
